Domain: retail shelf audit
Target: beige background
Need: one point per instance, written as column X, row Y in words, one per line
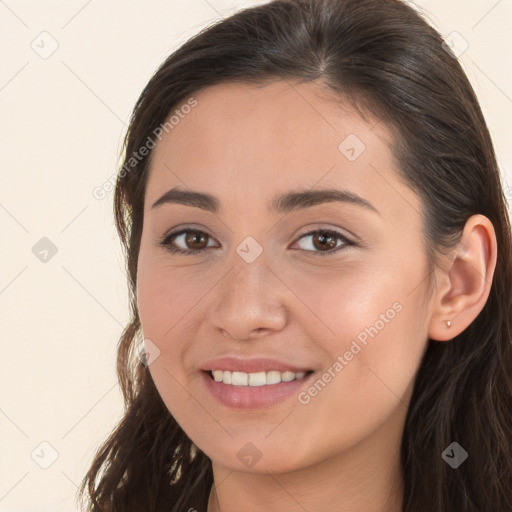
column 61, row 126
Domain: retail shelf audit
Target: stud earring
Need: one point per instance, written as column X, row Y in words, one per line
column 448, row 323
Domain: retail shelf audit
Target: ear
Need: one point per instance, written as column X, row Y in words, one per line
column 464, row 286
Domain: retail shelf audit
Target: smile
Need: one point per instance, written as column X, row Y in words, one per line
column 271, row 377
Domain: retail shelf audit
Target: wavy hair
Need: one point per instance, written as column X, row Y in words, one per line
column 384, row 57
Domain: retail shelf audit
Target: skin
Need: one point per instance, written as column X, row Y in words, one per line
column 245, row 144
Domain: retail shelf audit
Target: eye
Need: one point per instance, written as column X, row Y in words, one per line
column 193, row 241
column 186, row 237
column 324, row 241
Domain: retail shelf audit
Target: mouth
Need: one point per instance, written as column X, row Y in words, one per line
column 256, row 379
column 242, row 391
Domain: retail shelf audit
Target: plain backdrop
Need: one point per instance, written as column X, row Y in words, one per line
column 70, row 75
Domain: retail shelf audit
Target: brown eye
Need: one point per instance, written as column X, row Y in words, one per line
column 186, row 241
column 325, row 242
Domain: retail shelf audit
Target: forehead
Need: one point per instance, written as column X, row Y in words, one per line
column 304, row 119
column 255, row 140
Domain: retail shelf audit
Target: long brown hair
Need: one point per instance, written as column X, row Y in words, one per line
column 386, row 59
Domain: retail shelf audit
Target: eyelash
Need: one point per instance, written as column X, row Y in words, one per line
column 166, row 242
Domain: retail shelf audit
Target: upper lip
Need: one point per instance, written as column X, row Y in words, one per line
column 252, row 365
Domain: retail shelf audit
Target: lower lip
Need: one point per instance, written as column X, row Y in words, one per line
column 253, row 397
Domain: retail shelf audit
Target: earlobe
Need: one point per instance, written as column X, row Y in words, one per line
column 466, row 281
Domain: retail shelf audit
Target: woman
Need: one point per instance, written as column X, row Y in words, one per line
column 319, row 260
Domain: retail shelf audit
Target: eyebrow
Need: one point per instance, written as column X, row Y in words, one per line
column 284, row 203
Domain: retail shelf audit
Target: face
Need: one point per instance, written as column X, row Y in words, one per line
column 345, row 304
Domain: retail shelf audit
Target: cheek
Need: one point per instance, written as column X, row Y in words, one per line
column 167, row 304
column 370, row 326
column 168, row 295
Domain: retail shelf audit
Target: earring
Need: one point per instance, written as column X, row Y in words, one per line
column 448, row 323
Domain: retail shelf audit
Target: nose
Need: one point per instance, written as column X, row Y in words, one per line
column 249, row 301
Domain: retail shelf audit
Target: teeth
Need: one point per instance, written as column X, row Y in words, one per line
column 239, row 379
column 255, row 379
